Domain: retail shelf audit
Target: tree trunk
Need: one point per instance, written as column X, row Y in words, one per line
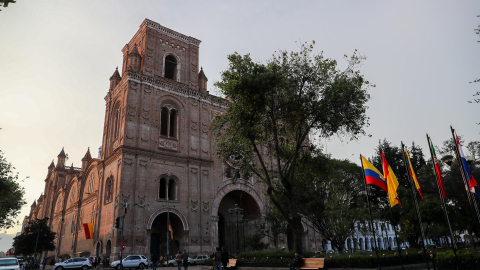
column 297, row 235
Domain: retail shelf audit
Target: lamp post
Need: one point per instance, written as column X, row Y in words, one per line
column 243, row 221
column 238, row 212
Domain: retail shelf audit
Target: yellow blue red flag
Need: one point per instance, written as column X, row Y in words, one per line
column 372, row 175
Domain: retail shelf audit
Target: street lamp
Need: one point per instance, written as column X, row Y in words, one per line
column 238, row 212
column 243, row 222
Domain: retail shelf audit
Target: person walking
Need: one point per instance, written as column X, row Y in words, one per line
column 185, row 259
column 178, row 258
column 154, row 261
column 104, row 261
column 52, row 263
column 161, row 261
column 218, row 259
column 225, row 258
column 44, row 262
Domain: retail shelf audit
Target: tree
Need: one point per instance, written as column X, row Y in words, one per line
column 334, row 199
column 26, row 242
column 11, row 194
column 273, row 226
column 276, row 112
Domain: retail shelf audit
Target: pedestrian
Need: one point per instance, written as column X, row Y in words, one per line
column 161, row 260
column 297, row 262
column 104, row 261
column 52, row 263
column 154, row 261
column 218, row 259
column 108, row 261
column 178, row 258
column 185, row 259
column 24, row 265
column 225, row 258
column 44, row 262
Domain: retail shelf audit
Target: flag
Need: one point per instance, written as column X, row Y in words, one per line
column 472, row 184
column 437, row 169
column 170, row 229
column 372, row 175
column 88, row 228
column 412, row 173
column 392, row 182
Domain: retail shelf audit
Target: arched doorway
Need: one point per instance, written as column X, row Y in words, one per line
column 97, row 251
column 108, row 250
column 232, row 230
column 160, row 234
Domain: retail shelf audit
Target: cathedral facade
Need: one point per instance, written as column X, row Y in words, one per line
column 157, row 159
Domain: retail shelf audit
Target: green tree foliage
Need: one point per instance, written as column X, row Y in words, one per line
column 276, row 111
column 273, row 226
column 11, row 194
column 333, row 198
column 25, row 243
column 254, row 242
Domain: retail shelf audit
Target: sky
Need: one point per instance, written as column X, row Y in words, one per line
column 56, row 59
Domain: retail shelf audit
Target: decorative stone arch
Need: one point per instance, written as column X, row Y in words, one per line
column 164, row 210
column 179, row 66
column 231, row 187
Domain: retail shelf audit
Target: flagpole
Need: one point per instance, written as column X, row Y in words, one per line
column 168, row 222
column 371, row 217
column 391, row 215
column 454, row 245
column 415, row 204
column 471, row 199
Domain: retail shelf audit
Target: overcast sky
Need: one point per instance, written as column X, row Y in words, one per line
column 56, row 58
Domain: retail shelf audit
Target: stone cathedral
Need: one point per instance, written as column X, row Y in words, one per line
column 157, row 144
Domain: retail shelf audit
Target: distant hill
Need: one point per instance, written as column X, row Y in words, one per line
column 6, row 241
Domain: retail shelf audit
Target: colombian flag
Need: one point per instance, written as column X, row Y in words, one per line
column 170, row 229
column 412, row 173
column 88, row 228
column 391, row 181
column 372, row 175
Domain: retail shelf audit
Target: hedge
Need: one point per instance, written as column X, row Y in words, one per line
column 443, row 259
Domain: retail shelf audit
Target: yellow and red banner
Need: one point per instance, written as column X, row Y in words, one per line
column 88, row 228
column 392, row 182
column 170, row 229
column 412, row 173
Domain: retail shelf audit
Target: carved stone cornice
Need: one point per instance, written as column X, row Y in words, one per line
column 177, row 87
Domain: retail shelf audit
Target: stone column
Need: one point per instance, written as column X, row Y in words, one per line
column 215, row 242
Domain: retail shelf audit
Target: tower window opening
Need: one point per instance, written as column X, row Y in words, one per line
column 169, row 122
column 164, row 119
column 171, row 189
column 170, row 67
column 173, row 123
column 163, row 189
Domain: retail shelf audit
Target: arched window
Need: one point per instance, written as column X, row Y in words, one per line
column 170, row 67
column 169, row 122
column 164, row 121
column 163, row 189
column 116, row 122
column 171, row 189
column 72, row 195
column 173, row 123
column 109, row 190
column 167, row 188
column 91, row 183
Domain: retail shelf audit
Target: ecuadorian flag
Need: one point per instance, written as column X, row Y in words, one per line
column 88, row 228
column 372, row 175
